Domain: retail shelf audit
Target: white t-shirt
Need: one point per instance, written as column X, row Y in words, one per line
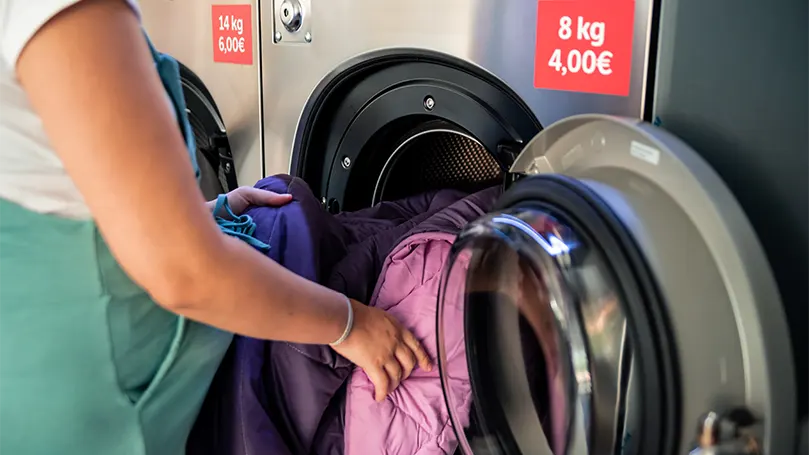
column 30, row 172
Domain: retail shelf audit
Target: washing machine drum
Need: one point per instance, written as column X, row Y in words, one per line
column 614, row 301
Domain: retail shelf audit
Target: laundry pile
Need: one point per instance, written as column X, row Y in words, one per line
column 295, row 399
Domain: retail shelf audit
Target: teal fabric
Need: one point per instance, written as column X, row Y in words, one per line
column 89, row 364
column 239, row 226
column 242, row 226
column 169, row 71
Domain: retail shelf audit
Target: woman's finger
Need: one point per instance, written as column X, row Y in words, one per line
column 394, row 371
column 379, row 377
column 407, row 360
column 415, row 346
column 257, row 196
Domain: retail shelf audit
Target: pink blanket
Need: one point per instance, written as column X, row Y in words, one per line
column 413, row 420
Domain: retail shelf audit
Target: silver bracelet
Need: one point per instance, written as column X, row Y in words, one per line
column 349, row 325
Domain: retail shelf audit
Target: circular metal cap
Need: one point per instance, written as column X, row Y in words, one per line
column 291, row 15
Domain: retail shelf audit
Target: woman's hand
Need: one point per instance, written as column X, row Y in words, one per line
column 245, row 196
column 385, row 350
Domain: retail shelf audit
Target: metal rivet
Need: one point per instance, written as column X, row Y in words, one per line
column 429, row 103
column 227, row 168
column 346, row 162
column 277, row 36
column 308, row 37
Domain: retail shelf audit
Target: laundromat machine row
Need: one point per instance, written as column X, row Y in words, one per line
column 655, row 157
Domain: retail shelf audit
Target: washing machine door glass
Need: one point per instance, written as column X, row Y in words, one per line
column 530, row 327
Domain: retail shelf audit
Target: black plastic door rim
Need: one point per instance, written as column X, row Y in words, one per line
column 461, row 111
column 349, row 89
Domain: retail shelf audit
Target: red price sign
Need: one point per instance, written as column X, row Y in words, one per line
column 584, row 45
column 232, row 34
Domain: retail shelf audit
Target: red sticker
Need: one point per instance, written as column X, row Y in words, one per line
column 584, row 46
column 232, row 34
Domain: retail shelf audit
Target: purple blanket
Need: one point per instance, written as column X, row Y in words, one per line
column 284, row 398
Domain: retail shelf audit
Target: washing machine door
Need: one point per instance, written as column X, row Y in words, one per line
column 615, row 301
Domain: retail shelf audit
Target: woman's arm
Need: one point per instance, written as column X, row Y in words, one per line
column 90, row 77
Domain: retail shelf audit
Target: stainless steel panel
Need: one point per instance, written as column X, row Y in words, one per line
column 183, row 29
column 499, row 36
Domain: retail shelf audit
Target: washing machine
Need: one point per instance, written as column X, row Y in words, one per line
column 640, row 287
